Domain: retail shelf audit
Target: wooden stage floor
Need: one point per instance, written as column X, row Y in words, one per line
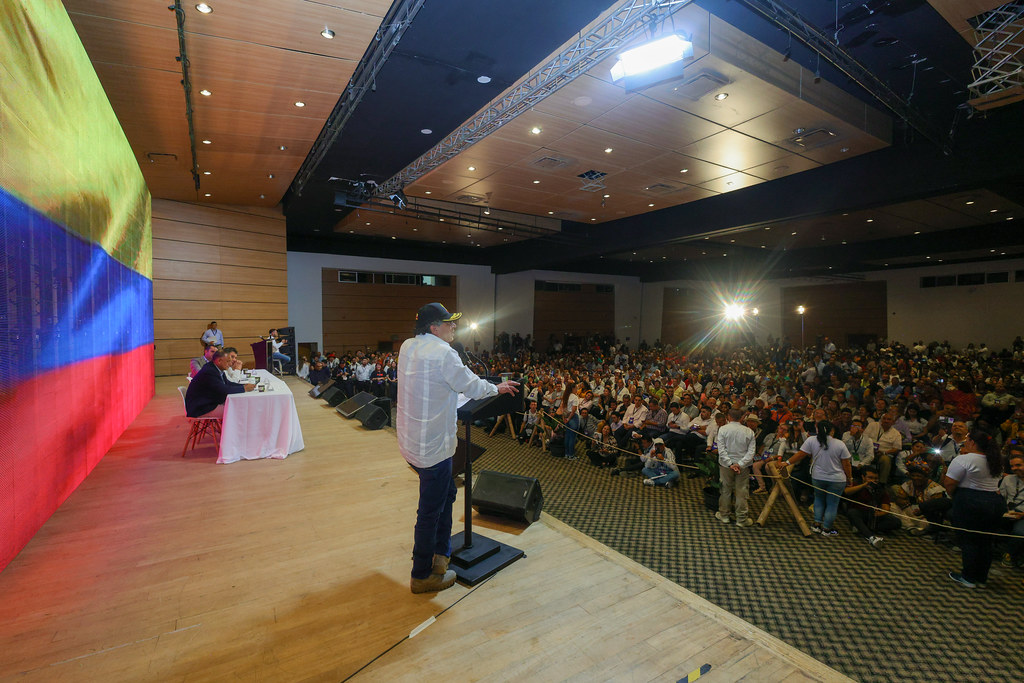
column 160, row 568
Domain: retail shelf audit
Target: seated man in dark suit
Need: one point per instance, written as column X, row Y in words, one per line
column 210, row 388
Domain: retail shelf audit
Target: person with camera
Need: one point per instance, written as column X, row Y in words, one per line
column 950, row 445
column 972, row 481
column 870, row 513
column 922, row 500
column 660, row 465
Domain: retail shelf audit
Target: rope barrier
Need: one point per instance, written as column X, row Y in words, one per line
column 940, row 525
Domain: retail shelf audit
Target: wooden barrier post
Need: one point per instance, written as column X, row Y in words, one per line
column 782, row 488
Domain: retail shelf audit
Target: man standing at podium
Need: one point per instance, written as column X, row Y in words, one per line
column 430, row 377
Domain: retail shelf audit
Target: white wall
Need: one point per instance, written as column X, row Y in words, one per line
column 515, row 293
column 993, row 314
column 474, row 286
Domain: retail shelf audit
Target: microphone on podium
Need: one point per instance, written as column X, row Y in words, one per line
column 461, row 350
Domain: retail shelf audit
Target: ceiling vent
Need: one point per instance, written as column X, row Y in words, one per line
column 592, row 180
column 550, row 162
column 813, row 138
column 661, row 188
column 469, row 199
column 698, row 86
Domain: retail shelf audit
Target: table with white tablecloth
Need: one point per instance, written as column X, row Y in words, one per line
column 260, row 424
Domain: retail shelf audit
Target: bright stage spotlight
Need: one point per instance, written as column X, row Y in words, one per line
column 472, row 326
column 755, row 311
column 733, row 311
column 652, row 62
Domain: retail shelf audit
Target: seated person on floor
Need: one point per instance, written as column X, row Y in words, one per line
column 605, row 451
column 634, row 462
column 209, row 389
column 863, row 517
column 659, row 466
column 920, row 498
column 1012, row 488
column 529, row 422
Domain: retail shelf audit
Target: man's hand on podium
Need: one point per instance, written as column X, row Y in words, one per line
column 508, row 387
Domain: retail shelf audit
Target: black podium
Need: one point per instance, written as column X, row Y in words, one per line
column 476, row 557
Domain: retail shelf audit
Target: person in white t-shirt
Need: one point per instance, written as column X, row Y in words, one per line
column 830, row 474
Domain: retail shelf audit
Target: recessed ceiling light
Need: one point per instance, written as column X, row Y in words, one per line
column 732, row 240
column 607, row 196
column 205, row 93
column 536, row 182
column 870, row 220
column 351, row 232
column 917, row 232
column 607, row 150
column 650, row 205
column 993, row 210
column 206, row 172
column 428, row 192
column 472, row 168
column 792, row 233
column 270, row 175
column 551, row 213
column 969, row 203
column 327, row 33
column 844, row 241
column 483, row 79
column 844, row 150
column 207, row 195
column 441, row 219
column 263, row 196
column 1009, row 218
column 415, row 229
column 367, row 222
column 762, row 246
column 204, row 8
column 992, row 251
column 426, row 131
column 300, row 104
column 393, row 237
column 927, row 256
column 207, row 142
column 721, row 96
column 684, row 170
column 797, row 131
column 582, row 101
column 593, row 219
column 487, row 212
column 536, row 130
column 283, row 147
column 767, row 228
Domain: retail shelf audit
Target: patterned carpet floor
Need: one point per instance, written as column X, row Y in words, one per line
column 887, row 614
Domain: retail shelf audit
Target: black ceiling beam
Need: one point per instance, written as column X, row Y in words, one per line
column 372, row 247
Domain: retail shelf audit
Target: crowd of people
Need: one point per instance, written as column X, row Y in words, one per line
column 884, row 426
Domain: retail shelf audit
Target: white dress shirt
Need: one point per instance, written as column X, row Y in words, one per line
column 430, row 378
column 735, row 445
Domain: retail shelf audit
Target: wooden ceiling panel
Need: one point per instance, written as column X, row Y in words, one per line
column 501, row 151
column 153, row 12
column 500, row 193
column 109, row 41
column 780, row 125
column 589, row 143
column 223, row 58
column 531, row 179
column 584, row 99
column 289, row 24
column 787, row 165
column 213, row 122
column 439, row 183
column 734, row 150
column 849, row 142
column 551, row 128
column 733, row 181
column 263, row 98
column 681, row 168
column 654, row 123
column 746, row 95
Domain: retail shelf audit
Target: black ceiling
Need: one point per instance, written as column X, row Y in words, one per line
column 430, row 81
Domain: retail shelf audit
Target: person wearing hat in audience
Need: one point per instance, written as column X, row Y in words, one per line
column 659, row 465
column 431, row 377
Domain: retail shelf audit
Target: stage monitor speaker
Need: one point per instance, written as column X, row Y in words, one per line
column 372, row 417
column 324, row 386
column 384, row 403
column 508, row 495
column 353, row 405
column 333, row 396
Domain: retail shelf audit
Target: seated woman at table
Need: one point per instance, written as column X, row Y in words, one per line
column 209, row 389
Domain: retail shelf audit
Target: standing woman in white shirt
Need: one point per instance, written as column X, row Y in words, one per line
column 568, row 413
column 972, row 480
column 830, row 474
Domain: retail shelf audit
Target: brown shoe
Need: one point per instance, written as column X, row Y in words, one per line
column 440, row 564
column 433, row 583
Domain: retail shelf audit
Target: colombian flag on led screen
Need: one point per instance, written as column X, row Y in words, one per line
column 76, row 353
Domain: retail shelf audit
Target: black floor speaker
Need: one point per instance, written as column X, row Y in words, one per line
column 333, row 396
column 317, row 390
column 508, row 495
column 352, row 406
column 373, row 417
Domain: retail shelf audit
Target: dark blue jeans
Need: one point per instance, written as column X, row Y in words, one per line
column 433, row 517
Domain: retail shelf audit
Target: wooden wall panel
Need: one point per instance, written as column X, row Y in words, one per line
column 840, row 311
column 359, row 316
column 680, row 319
column 581, row 313
column 227, row 264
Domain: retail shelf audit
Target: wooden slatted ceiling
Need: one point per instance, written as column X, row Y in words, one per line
column 215, row 263
column 655, row 134
column 257, row 58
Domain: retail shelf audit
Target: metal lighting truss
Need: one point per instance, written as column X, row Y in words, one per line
column 625, row 22
column 789, row 20
column 999, row 61
column 391, row 30
column 186, row 83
